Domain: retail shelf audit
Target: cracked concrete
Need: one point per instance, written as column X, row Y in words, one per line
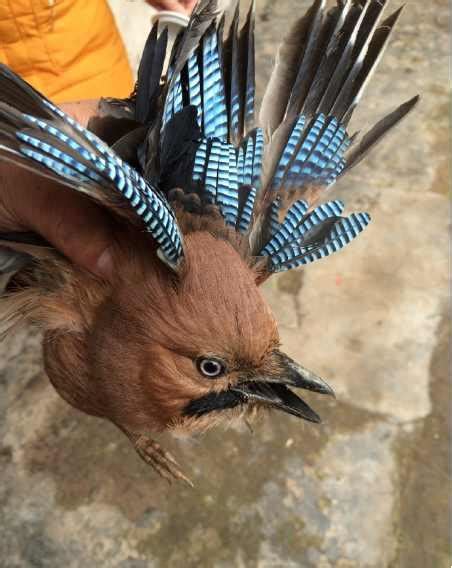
column 366, row 489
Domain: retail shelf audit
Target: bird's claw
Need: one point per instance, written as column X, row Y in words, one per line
column 162, row 461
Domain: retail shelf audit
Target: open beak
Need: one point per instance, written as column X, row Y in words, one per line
column 270, row 389
column 273, row 389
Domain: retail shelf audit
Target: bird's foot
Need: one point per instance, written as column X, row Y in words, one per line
column 162, row 461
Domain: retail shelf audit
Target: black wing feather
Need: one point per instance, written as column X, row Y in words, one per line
column 149, row 74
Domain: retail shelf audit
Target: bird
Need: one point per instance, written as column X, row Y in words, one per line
column 210, row 197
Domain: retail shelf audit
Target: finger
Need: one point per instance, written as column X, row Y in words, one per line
column 82, row 111
column 189, row 5
column 75, row 226
column 170, row 5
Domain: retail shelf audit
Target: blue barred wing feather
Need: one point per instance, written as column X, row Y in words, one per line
column 59, row 146
column 218, row 81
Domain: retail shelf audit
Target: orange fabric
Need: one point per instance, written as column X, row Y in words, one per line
column 67, row 49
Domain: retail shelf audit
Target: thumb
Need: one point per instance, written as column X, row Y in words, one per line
column 73, row 224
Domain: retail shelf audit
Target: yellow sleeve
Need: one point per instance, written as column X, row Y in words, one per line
column 67, row 49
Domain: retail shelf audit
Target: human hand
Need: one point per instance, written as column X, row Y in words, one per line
column 183, row 6
column 74, row 225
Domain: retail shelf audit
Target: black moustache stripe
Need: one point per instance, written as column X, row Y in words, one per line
column 214, row 401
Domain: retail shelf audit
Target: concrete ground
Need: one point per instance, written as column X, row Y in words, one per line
column 367, row 488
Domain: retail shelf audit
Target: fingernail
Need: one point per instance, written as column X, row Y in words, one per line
column 104, row 264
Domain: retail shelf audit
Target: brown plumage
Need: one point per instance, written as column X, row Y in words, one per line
column 124, row 349
column 180, row 337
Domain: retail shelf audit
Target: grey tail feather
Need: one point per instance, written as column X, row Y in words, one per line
column 240, row 75
column 311, row 58
column 370, row 49
column 250, row 88
column 233, row 75
column 340, row 48
column 359, row 151
column 227, row 48
column 288, row 60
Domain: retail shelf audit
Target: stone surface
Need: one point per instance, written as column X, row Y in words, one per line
column 367, row 488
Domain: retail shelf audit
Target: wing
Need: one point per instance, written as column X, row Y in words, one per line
column 321, row 71
column 37, row 135
column 263, row 172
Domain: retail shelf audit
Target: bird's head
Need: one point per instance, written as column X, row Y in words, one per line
column 198, row 348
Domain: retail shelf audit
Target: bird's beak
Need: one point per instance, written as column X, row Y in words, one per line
column 295, row 375
column 272, row 388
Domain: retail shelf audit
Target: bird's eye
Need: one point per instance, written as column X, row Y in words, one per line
column 211, row 367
